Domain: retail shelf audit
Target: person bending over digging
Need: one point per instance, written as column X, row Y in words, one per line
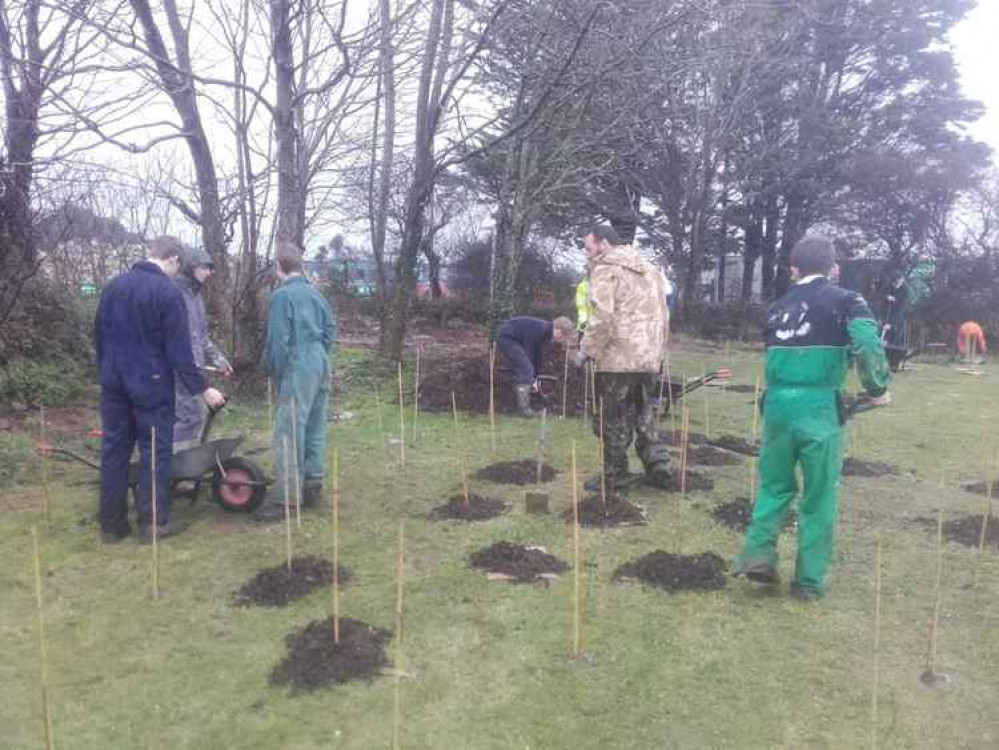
column 522, row 341
column 626, row 339
column 813, row 333
column 971, row 342
column 300, row 332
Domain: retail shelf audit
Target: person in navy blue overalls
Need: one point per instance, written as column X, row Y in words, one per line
column 143, row 343
column 522, row 341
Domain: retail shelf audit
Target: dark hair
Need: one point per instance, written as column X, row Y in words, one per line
column 813, row 254
column 289, row 257
column 165, row 247
column 604, row 232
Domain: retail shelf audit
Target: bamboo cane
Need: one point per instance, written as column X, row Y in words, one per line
column 156, row 525
column 707, row 406
column 577, row 635
column 43, row 657
column 986, row 512
column 287, row 500
column 399, row 601
column 877, row 646
column 931, row 652
column 684, row 440
column 336, row 547
column 753, row 438
column 46, row 490
column 492, row 397
column 416, row 396
column 457, row 447
column 603, row 459
column 402, row 422
column 565, row 383
column 593, row 388
column 669, row 395
column 294, row 453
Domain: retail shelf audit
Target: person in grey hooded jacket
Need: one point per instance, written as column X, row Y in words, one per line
column 191, row 410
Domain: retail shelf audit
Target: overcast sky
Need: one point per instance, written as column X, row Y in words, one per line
column 976, row 48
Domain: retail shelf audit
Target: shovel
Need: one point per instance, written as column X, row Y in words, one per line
column 536, row 500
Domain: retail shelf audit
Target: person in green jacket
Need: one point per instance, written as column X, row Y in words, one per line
column 300, row 332
column 813, row 335
column 582, row 304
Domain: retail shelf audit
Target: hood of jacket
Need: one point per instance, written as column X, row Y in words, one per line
column 626, row 257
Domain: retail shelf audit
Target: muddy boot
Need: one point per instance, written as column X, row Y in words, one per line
column 615, row 483
column 658, row 475
column 312, row 495
column 272, row 509
column 759, row 572
column 163, row 531
column 523, row 393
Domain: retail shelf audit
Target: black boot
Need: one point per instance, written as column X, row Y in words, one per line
column 312, row 495
column 272, row 510
column 523, row 393
column 163, row 531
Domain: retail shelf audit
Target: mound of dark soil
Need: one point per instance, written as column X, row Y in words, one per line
column 673, row 438
column 967, row 530
column 314, row 659
column 740, row 388
column 478, row 508
column 695, row 482
column 521, row 564
column 706, row 455
column 521, row 472
column 980, row 488
column 858, row 467
column 704, row 572
column 276, row 587
column 736, row 445
column 737, row 514
column 616, row 512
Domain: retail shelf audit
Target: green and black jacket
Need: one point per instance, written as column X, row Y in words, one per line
column 813, row 335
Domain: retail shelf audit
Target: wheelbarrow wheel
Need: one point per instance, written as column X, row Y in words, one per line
column 243, row 488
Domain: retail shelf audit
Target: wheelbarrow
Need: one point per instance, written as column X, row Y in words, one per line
column 238, row 484
column 674, row 390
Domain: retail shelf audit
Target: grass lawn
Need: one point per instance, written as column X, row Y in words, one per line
column 489, row 665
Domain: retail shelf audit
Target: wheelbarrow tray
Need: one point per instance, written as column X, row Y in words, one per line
column 195, row 462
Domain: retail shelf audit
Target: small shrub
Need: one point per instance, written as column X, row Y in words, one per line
column 32, row 383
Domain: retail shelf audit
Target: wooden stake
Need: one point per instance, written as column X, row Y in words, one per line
column 593, row 388
column 986, row 512
column 336, row 547
column 877, row 645
column 294, row 453
column 565, row 383
column 669, row 395
column 46, row 704
column 492, row 396
column 156, row 525
column 576, row 562
column 287, row 500
column 458, row 449
column 402, row 422
column 931, row 652
column 416, row 395
column 399, row 600
column 46, row 492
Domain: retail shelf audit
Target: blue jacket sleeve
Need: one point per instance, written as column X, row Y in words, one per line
column 277, row 350
column 177, row 342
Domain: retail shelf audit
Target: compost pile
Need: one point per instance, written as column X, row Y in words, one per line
column 675, row 438
column 694, row 482
column 315, row 659
column 704, row 572
column 521, row 564
column 617, row 511
column 737, row 514
column 706, row 455
column 967, row 530
column 521, row 472
column 276, row 587
column 857, row 467
column 740, row 388
column 982, row 488
column 478, row 508
column 467, row 374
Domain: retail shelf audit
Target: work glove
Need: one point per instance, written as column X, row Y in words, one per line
column 579, row 358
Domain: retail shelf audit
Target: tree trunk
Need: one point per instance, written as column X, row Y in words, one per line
column 751, row 253
column 791, row 232
column 289, row 206
column 768, row 251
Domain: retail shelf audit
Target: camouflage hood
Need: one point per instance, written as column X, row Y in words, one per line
column 629, row 320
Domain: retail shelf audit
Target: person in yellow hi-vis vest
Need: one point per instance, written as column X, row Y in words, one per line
column 582, row 305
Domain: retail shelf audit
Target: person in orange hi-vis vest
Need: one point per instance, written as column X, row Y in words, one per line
column 968, row 335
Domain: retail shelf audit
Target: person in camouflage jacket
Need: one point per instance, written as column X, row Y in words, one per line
column 626, row 339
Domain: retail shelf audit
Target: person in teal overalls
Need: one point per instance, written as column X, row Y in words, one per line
column 300, row 332
column 813, row 335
